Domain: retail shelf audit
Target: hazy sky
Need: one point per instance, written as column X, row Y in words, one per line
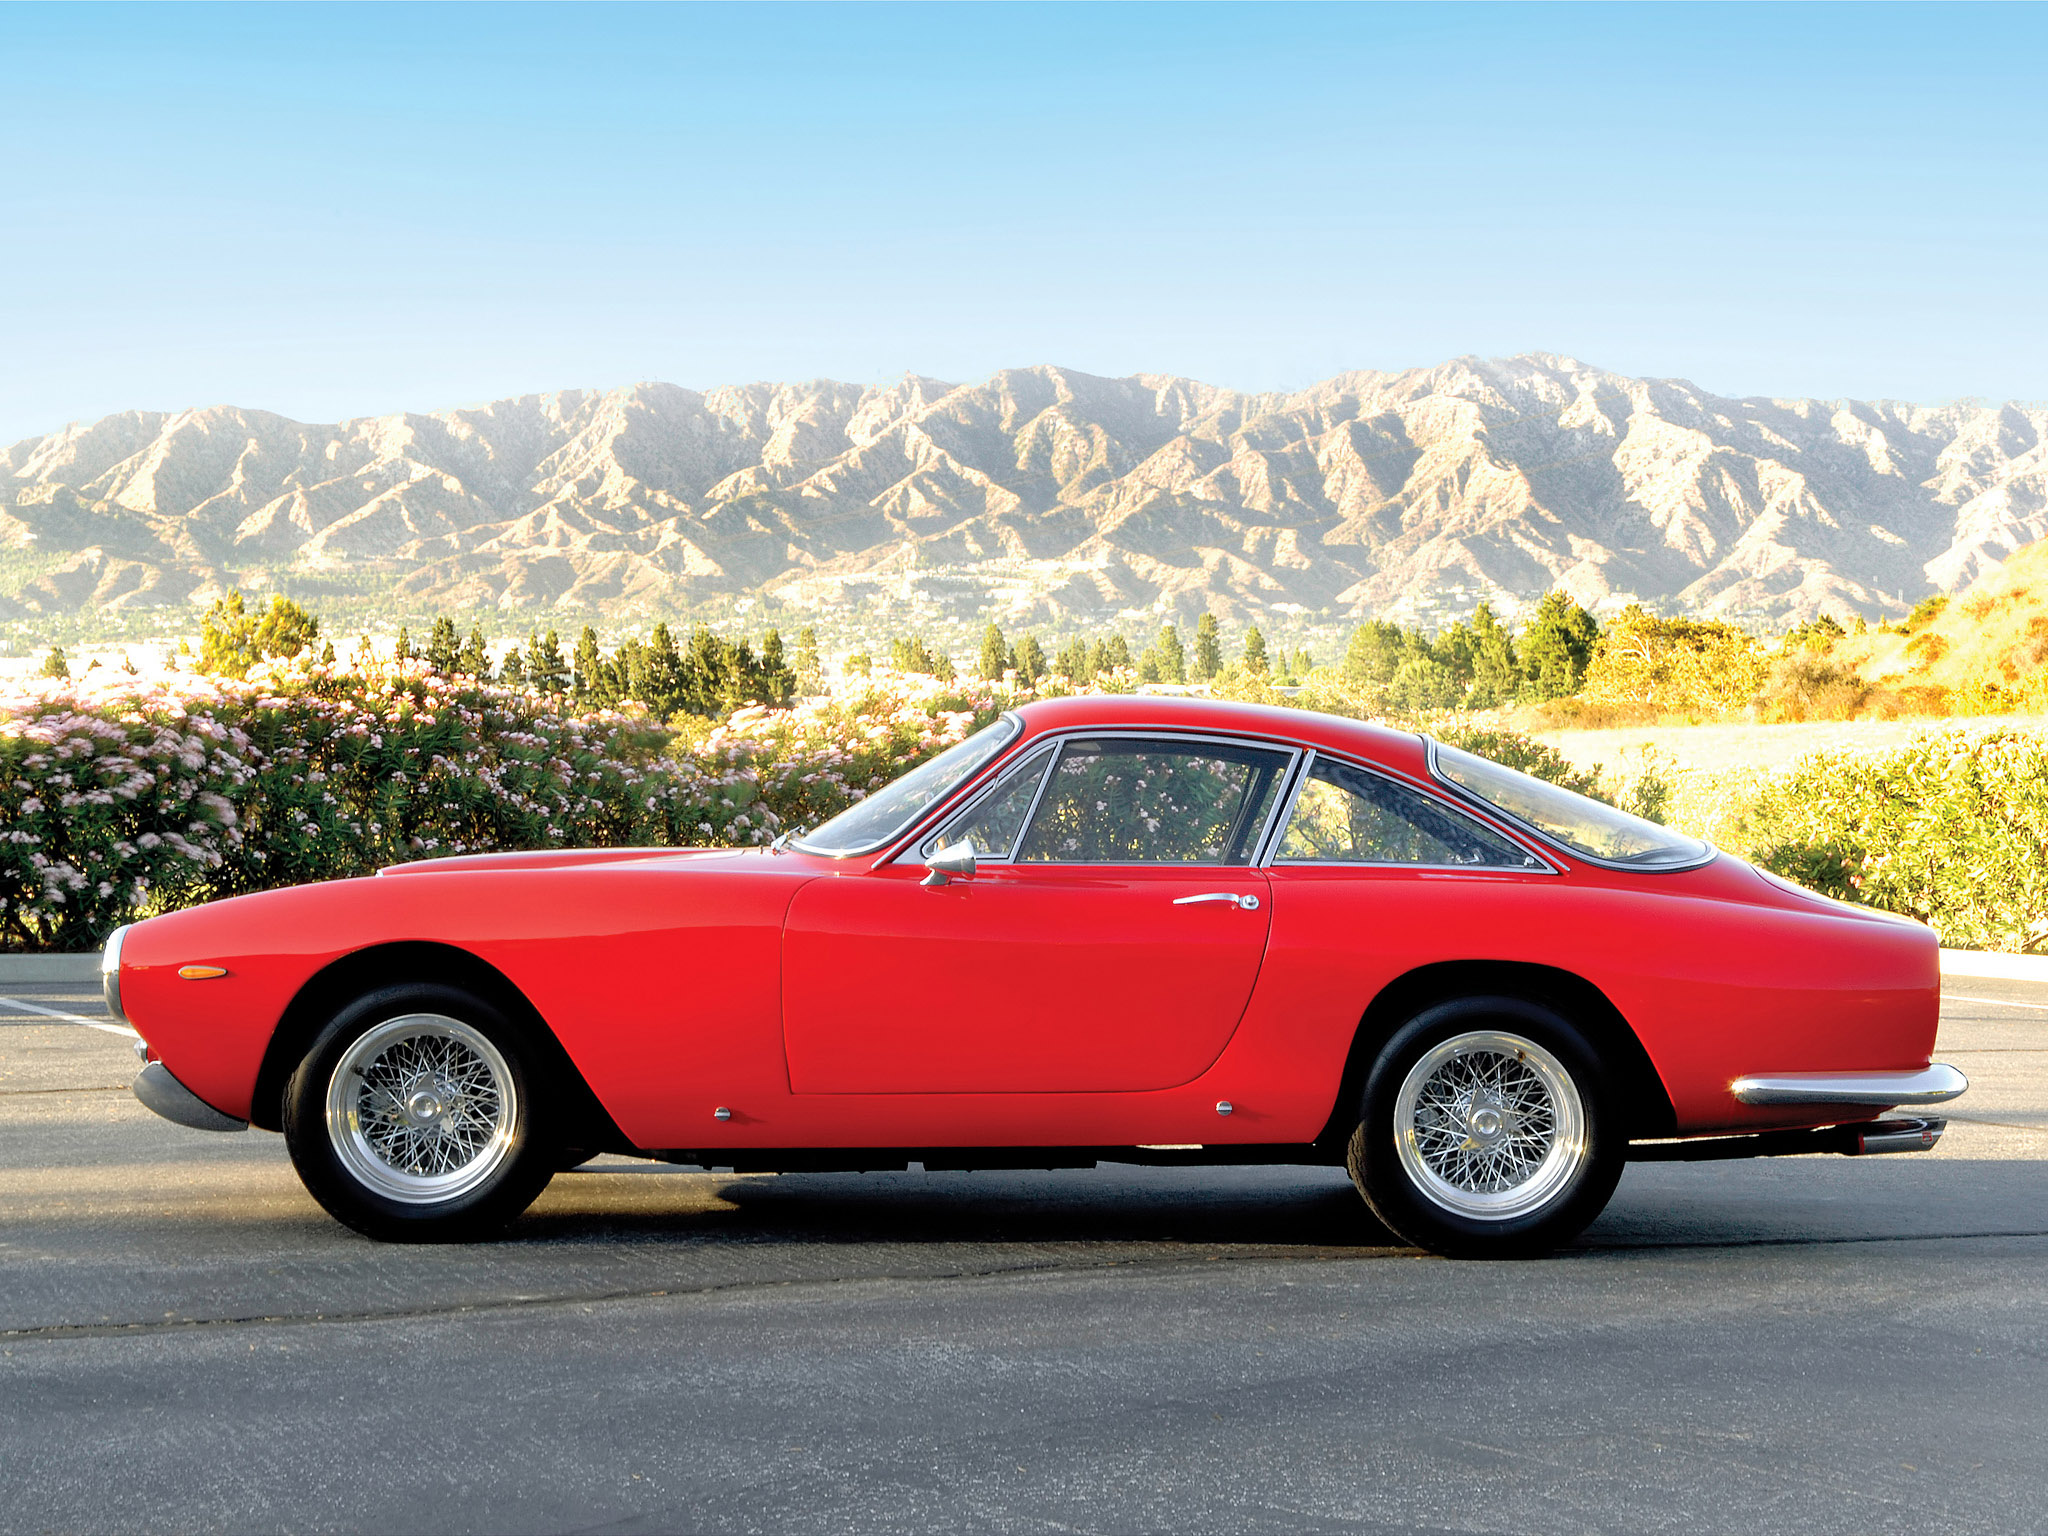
column 332, row 212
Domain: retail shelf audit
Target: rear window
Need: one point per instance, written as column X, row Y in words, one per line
column 1584, row 826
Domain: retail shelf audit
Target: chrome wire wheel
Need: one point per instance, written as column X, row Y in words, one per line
column 422, row 1109
column 1490, row 1126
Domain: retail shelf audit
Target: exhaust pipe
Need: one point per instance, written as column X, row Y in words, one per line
column 1918, row 1134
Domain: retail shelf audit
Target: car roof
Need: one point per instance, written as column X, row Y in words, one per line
column 1402, row 751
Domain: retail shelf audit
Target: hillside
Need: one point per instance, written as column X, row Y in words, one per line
column 1043, row 492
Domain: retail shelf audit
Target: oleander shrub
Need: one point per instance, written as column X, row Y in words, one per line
column 1952, row 830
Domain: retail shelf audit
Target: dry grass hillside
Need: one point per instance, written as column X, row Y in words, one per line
column 1984, row 651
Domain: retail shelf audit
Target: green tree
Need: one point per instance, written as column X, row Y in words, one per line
column 402, row 650
column 1374, row 654
column 810, row 670
column 662, row 683
column 1208, row 648
column 1072, row 661
column 1030, row 661
column 546, row 669
column 995, row 652
column 443, row 646
column 1556, row 646
column 1255, row 651
column 1496, row 675
column 778, row 678
column 1116, row 653
column 590, row 680
column 54, row 664
column 1148, row 665
column 233, row 640
column 1173, row 657
column 512, row 670
column 474, row 659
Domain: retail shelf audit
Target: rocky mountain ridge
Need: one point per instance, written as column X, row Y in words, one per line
column 1043, row 493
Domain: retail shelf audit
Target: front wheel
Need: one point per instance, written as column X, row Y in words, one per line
column 414, row 1117
column 1487, row 1130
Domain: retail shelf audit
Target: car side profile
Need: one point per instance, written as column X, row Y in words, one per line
column 1130, row 929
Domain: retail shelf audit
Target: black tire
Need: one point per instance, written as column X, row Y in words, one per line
column 1442, row 1175
column 428, row 1075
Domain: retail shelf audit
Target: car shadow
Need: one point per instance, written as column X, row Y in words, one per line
column 1288, row 1207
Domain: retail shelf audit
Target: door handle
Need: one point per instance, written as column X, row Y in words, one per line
column 1248, row 903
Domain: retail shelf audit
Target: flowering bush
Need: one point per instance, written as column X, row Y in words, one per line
column 1952, row 829
column 125, row 797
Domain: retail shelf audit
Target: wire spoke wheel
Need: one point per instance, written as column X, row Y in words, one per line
column 1490, row 1126
column 422, row 1109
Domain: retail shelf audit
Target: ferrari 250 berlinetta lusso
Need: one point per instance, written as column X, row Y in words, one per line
column 1101, row 929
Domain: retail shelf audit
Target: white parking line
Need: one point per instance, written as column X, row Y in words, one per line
column 69, row 1018
column 1995, row 1002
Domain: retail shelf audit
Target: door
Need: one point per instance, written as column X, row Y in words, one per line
column 1110, row 943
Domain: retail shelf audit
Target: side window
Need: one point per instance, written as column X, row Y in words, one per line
column 1154, row 802
column 992, row 823
column 1345, row 815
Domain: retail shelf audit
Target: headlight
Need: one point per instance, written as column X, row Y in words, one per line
column 110, row 973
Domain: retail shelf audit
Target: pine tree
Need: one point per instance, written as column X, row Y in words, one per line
column 1496, row 677
column 545, row 668
column 1173, row 657
column 1098, row 659
column 703, row 675
column 54, row 664
column 1255, row 651
column 1030, row 661
column 402, row 651
column 810, row 671
column 1148, row 665
column 475, row 659
column 512, row 670
column 995, row 653
column 587, row 680
column 778, row 678
column 443, row 646
column 1208, row 648
column 1118, row 651
column 1556, row 645
column 662, row 689
column 1072, row 661
column 326, row 656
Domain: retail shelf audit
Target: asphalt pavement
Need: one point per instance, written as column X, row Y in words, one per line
column 1817, row 1344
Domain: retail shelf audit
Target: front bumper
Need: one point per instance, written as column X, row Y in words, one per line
column 1935, row 1084
column 170, row 1098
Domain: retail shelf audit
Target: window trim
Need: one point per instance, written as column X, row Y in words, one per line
column 915, row 853
column 1009, row 718
column 1544, row 865
column 1529, row 829
column 1289, row 775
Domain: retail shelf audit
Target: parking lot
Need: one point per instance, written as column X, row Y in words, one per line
column 1816, row 1344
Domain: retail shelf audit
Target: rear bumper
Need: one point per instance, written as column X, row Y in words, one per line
column 1936, row 1084
column 1918, row 1134
column 170, row 1098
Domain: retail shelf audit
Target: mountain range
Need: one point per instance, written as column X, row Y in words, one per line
column 1043, row 494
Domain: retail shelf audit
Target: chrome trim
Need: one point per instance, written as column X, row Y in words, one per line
column 1248, row 903
column 110, row 973
column 166, row 1096
column 1512, row 831
column 1937, row 1084
column 1049, row 749
column 1008, row 717
column 1059, row 739
column 1558, row 844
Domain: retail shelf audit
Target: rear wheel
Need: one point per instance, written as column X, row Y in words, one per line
column 415, row 1118
column 1487, row 1130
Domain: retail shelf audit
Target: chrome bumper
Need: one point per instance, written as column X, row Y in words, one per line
column 1936, row 1084
column 170, row 1098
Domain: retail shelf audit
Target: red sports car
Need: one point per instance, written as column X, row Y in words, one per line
column 1104, row 929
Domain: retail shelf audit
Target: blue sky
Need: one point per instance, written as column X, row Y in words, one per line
column 332, row 212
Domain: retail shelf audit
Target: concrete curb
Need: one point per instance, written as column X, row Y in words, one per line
column 1984, row 962
column 19, row 968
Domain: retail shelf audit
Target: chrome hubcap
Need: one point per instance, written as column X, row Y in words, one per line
column 422, row 1109
column 1490, row 1125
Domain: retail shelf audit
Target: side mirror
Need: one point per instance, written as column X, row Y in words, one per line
column 947, row 862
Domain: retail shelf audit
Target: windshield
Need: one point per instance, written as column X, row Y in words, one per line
column 1586, row 826
column 890, row 809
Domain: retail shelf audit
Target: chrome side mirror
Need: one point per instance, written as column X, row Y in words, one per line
column 947, row 862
